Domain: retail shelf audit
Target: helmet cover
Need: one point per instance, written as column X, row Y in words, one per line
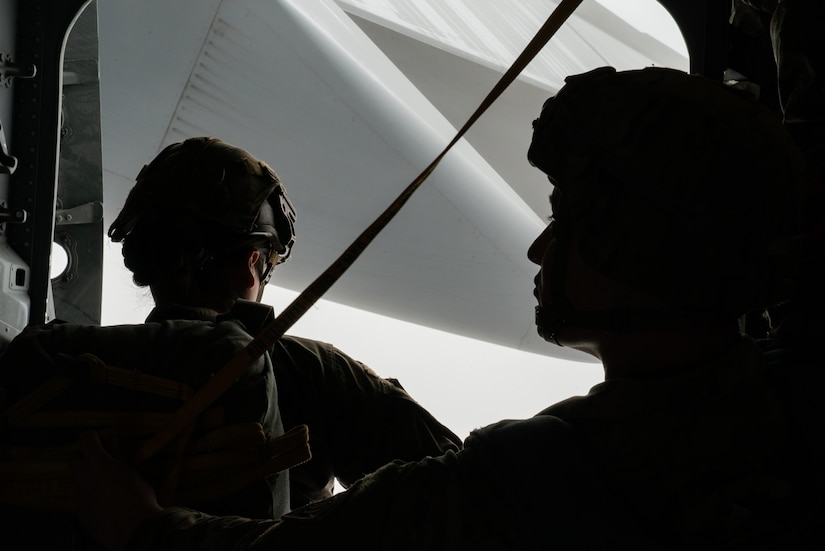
column 675, row 184
column 219, row 185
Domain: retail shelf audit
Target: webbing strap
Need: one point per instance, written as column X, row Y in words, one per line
column 102, row 373
column 34, row 400
column 27, row 412
column 218, row 464
column 273, row 331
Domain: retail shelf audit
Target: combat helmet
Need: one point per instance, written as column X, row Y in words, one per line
column 674, row 184
column 227, row 192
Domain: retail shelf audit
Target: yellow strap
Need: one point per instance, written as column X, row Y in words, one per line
column 100, row 372
column 25, row 413
column 275, row 329
column 67, row 419
column 44, row 480
column 34, row 400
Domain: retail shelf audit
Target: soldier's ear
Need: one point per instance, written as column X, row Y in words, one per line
column 250, row 275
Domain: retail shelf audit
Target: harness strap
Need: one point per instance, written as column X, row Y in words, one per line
column 41, row 477
column 33, row 401
column 132, row 379
column 208, row 460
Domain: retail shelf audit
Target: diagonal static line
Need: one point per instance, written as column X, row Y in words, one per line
column 273, row 331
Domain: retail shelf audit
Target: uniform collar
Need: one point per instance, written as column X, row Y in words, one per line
column 253, row 315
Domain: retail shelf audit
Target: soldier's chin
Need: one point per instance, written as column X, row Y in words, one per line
column 548, row 324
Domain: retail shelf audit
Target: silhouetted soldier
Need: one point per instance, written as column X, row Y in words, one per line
column 675, row 207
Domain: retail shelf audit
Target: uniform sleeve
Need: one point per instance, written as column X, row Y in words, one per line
column 401, row 506
column 358, row 421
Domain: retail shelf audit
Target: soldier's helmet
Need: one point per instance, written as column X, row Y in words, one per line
column 674, row 184
column 232, row 197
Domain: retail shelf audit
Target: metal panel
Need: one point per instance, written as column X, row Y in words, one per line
column 41, row 30
column 79, row 213
column 704, row 24
column 14, row 273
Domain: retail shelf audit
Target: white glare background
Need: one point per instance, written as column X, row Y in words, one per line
column 465, row 383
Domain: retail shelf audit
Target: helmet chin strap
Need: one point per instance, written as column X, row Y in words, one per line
column 550, row 320
column 260, row 292
column 549, row 324
column 269, row 268
column 560, row 312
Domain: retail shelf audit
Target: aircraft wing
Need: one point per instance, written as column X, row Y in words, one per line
column 349, row 100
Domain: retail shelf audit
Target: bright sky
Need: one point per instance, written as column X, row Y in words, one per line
column 465, row 383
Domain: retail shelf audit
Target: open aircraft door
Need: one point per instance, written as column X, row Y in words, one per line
column 51, row 175
column 51, row 160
